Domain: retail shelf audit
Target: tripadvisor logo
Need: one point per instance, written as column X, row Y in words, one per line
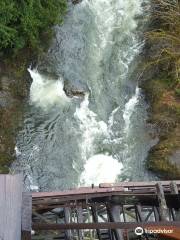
column 140, row 231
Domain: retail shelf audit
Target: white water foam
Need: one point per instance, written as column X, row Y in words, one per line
column 100, row 168
column 89, row 126
column 95, row 46
column 46, row 92
column 129, row 109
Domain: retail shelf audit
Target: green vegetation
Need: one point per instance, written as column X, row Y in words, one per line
column 25, row 23
column 25, row 33
column 163, row 89
column 166, row 34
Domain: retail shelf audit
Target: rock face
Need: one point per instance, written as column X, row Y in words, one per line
column 14, row 87
column 164, row 114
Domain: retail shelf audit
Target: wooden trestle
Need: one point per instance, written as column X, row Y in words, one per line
column 106, row 212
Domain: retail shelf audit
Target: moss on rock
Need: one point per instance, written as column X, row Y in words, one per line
column 165, row 116
column 160, row 157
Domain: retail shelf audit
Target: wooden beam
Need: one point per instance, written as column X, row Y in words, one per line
column 26, row 216
column 114, row 213
column 136, row 184
column 139, row 213
column 175, row 211
column 95, row 219
column 174, row 188
column 67, row 217
column 80, row 220
column 78, row 191
column 10, row 206
column 107, row 225
column 163, row 210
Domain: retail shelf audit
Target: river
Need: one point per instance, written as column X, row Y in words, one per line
column 66, row 141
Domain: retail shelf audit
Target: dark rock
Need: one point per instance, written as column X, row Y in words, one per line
column 75, row 90
column 14, row 89
column 76, row 1
column 5, row 99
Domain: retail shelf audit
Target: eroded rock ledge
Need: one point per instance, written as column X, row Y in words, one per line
column 14, row 89
column 164, row 158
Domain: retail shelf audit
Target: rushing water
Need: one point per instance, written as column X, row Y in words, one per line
column 103, row 137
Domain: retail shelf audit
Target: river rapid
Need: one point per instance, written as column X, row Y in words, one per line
column 66, row 141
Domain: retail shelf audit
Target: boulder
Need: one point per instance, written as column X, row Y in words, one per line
column 75, row 89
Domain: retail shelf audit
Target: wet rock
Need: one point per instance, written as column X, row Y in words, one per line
column 175, row 158
column 164, row 158
column 14, row 89
column 76, row 1
column 75, row 89
column 5, row 99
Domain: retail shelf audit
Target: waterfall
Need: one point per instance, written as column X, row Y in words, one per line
column 101, row 137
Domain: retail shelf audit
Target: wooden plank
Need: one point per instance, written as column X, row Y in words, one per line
column 10, row 206
column 163, row 210
column 2, row 205
column 136, row 184
column 105, row 225
column 78, row 191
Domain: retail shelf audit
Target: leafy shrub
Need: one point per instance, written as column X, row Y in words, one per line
column 177, row 91
column 22, row 22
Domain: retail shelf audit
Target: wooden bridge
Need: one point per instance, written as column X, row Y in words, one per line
column 106, row 212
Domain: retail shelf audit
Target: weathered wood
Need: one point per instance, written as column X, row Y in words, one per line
column 42, row 218
column 26, row 212
column 139, row 213
column 95, row 220
column 149, row 214
column 156, row 214
column 67, row 218
column 79, row 191
column 174, row 188
column 114, row 214
column 163, row 210
column 124, row 214
column 107, row 225
column 10, row 207
column 26, row 235
column 156, row 198
column 135, row 184
column 176, row 210
column 80, row 220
